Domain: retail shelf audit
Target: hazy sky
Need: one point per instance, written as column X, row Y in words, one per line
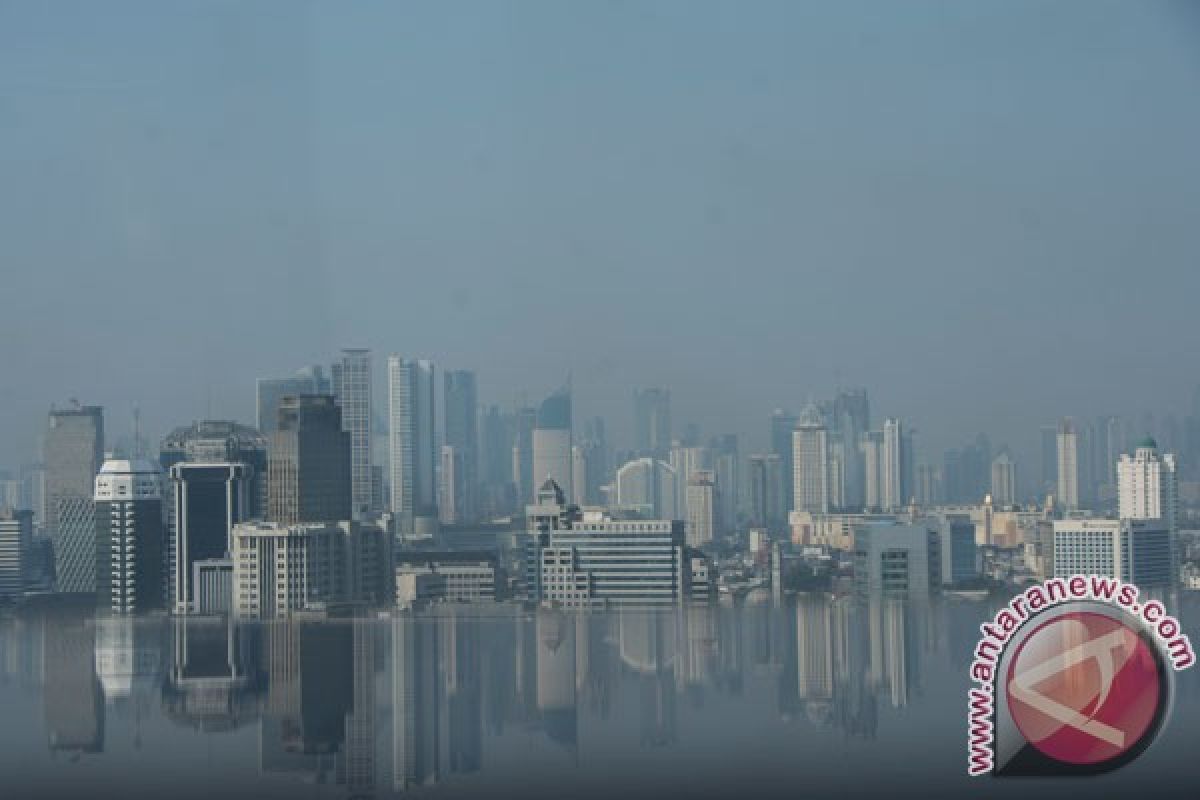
column 986, row 213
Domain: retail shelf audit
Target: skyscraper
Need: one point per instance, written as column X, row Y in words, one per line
column 74, row 451
column 810, row 461
column 1004, row 480
column 872, row 450
column 208, row 499
column 524, row 422
column 308, row 473
column 269, row 391
column 552, row 442
column 224, row 442
column 766, row 492
column 353, row 390
column 463, row 435
column 1147, row 485
column 701, row 507
column 130, row 539
column 850, row 419
column 891, row 466
column 782, row 425
column 1067, row 495
column 412, row 445
column 651, row 421
column 1049, row 442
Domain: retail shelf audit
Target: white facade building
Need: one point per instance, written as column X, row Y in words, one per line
column 701, row 507
column 1067, row 497
column 1147, row 485
column 810, row 460
column 1134, row 551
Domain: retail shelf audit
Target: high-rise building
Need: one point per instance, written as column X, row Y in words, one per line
column 462, row 433
column 810, row 461
column 413, row 445
column 16, row 551
column 524, row 423
column 593, row 450
column 766, row 492
column 782, row 425
column 929, row 485
column 956, row 534
column 1004, row 480
column 1148, row 486
column 450, row 495
column 74, row 451
column 701, row 507
column 727, row 470
column 1136, row 551
column 892, row 466
column 850, row 419
column 130, row 537
column 269, row 391
column 1067, row 494
column 652, row 421
column 552, row 442
column 353, row 391
column 208, row 499
column 224, row 442
column 649, row 486
column 308, row 473
column 1107, row 449
column 871, row 445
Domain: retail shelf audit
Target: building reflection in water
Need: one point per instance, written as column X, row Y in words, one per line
column 384, row 706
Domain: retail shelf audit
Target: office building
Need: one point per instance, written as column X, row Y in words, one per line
column 281, row 569
column 212, row 585
column 959, row 553
column 782, row 445
column 552, row 442
column 413, row 450
column 1004, row 480
column 352, row 388
column 651, row 422
column 308, row 472
column 810, row 459
column 648, row 486
column 701, row 508
column 224, row 442
column 269, row 391
column 592, row 558
column 16, row 551
column 766, row 492
column 130, row 537
column 849, row 419
column 73, row 453
column 896, row 558
column 462, row 433
column 1067, row 492
column 208, row 499
column 1136, row 551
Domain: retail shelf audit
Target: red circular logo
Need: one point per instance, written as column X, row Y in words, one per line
column 1084, row 688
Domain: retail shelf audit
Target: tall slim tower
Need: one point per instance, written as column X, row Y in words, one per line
column 1068, row 466
column 462, row 434
column 652, row 421
column 782, row 426
column 701, row 507
column 811, row 461
column 891, row 466
column 208, row 500
column 412, row 444
column 308, row 471
column 130, row 539
column 552, row 442
column 353, row 389
column 74, row 451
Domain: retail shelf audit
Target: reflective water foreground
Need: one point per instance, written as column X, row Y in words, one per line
column 814, row 697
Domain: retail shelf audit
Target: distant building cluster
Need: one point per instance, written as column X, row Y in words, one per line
column 330, row 502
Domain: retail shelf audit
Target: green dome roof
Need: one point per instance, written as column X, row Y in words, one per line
column 1148, row 442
